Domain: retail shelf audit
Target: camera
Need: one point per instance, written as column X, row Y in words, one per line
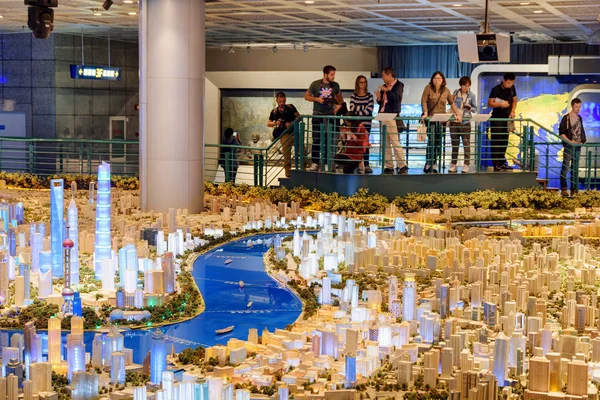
column 40, row 17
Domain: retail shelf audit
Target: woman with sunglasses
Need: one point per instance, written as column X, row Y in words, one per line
column 361, row 105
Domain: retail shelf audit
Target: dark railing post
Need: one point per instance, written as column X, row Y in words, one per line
column 81, row 158
column 330, row 145
column 31, row 158
column 383, row 137
column 261, row 167
column 478, row 149
column 227, row 166
column 407, row 127
column 322, row 147
column 524, row 147
column 296, row 133
column 299, row 151
column 588, row 167
column 531, row 149
column 89, row 158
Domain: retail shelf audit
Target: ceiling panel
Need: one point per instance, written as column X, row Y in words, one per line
column 328, row 23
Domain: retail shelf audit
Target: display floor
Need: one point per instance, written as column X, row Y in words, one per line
column 273, row 306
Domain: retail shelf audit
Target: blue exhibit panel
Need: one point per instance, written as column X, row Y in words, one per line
column 100, row 73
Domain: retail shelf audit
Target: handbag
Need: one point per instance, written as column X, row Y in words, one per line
column 422, row 132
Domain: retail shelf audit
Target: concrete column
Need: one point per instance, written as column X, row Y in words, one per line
column 172, row 68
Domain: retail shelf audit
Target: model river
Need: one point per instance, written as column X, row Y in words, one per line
column 273, row 305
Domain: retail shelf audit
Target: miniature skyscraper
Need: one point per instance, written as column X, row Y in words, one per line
column 57, row 211
column 73, row 233
column 158, row 357
column 409, row 294
column 102, row 248
column 67, row 292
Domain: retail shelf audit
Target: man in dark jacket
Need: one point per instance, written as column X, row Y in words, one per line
column 573, row 134
column 389, row 98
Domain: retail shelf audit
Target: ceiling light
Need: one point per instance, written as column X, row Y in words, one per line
column 457, row 5
column 97, row 14
column 538, row 12
column 107, row 4
column 131, row 13
column 524, row 4
column 128, row 1
column 275, row 49
column 1, row 17
column 305, row 48
column 309, row 2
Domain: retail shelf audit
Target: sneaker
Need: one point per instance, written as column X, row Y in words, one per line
column 388, row 170
column 434, row 170
column 506, row 167
column 402, row 171
column 499, row 169
column 564, row 193
column 465, row 169
column 452, row 168
column 314, row 167
column 427, row 169
column 368, row 170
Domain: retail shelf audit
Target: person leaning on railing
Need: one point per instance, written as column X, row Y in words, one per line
column 466, row 102
column 354, row 141
column 573, row 134
column 434, row 100
column 229, row 163
column 361, row 104
column 281, row 118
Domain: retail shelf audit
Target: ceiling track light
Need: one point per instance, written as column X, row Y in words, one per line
column 275, row 49
column 248, row 49
column 107, row 4
column 231, row 50
column 305, row 48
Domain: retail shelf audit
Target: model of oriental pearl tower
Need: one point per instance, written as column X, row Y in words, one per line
column 67, row 292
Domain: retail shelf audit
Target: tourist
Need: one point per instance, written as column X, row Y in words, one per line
column 361, row 104
column 327, row 99
column 466, row 103
column 389, row 98
column 503, row 99
column 230, row 138
column 280, row 119
column 435, row 99
column 573, row 134
column 354, row 141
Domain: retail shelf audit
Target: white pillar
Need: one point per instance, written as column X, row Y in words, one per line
column 172, row 69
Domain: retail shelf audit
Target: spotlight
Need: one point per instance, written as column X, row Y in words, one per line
column 107, row 4
column 248, row 49
column 305, row 48
column 40, row 17
column 275, row 49
column 231, row 50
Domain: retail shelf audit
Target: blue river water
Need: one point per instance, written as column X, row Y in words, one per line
column 273, row 305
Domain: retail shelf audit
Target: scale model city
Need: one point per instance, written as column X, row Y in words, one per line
column 409, row 310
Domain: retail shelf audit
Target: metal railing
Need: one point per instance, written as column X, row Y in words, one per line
column 68, row 156
column 530, row 147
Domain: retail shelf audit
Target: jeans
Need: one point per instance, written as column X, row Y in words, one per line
column 457, row 132
column 434, row 142
column 498, row 142
column 570, row 163
column 287, row 142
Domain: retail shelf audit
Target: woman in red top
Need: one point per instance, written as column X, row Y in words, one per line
column 355, row 141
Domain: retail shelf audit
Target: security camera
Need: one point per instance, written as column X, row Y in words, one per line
column 40, row 17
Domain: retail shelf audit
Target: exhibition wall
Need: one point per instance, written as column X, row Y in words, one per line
column 35, row 79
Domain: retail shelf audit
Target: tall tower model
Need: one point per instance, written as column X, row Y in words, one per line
column 67, row 292
column 73, row 233
column 158, row 357
column 102, row 246
column 409, row 297
column 57, row 221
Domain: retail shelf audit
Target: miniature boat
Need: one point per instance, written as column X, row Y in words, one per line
column 242, row 284
column 249, row 305
column 224, row 330
column 228, row 261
